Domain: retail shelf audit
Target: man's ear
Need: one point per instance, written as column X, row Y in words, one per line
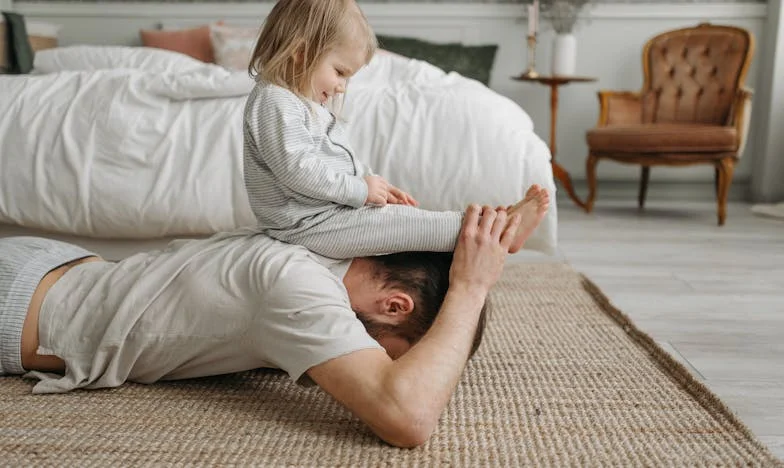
column 398, row 304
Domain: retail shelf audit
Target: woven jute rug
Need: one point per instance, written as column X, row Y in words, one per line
column 562, row 379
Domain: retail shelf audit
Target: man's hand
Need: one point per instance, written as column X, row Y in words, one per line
column 482, row 248
column 378, row 190
column 399, row 197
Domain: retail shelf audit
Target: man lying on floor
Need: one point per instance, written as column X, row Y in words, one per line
column 241, row 301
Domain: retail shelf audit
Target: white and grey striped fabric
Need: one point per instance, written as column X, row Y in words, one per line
column 24, row 261
column 306, row 187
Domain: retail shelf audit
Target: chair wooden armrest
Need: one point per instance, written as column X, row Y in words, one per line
column 619, row 107
column 740, row 115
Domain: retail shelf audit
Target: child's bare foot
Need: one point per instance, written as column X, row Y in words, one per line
column 531, row 209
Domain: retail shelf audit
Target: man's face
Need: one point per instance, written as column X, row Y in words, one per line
column 376, row 306
column 394, row 345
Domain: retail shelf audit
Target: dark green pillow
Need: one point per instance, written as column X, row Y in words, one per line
column 470, row 61
column 19, row 51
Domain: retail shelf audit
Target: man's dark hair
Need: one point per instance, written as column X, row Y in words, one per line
column 425, row 276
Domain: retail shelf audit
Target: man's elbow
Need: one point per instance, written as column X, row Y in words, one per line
column 409, row 431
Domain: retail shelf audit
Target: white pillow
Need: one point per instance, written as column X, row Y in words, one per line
column 233, row 45
column 111, row 57
column 388, row 69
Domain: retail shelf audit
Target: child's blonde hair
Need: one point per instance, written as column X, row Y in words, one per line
column 307, row 29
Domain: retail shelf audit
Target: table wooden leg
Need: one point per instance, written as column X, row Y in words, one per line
column 558, row 171
column 554, row 121
column 562, row 176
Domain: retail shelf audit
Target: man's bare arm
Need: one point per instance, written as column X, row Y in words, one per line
column 402, row 400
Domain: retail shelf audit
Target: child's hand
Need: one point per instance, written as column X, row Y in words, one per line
column 378, row 190
column 399, row 197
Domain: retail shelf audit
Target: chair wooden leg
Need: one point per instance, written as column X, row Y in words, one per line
column 590, row 173
column 716, row 181
column 646, row 173
column 724, row 170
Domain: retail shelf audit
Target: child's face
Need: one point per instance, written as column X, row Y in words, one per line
column 332, row 73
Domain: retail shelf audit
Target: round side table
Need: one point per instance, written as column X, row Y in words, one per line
column 554, row 82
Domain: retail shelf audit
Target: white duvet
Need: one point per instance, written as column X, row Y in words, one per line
column 139, row 143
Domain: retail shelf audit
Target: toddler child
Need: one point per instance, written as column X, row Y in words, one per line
column 304, row 182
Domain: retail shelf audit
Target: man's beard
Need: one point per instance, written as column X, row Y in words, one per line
column 375, row 328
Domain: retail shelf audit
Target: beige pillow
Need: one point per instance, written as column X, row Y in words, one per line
column 194, row 42
column 233, row 45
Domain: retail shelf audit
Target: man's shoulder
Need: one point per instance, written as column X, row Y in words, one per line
column 267, row 265
column 295, row 262
column 304, row 271
column 247, row 240
column 299, row 275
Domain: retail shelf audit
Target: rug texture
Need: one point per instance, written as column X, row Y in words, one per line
column 562, row 379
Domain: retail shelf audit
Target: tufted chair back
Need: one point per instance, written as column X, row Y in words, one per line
column 692, row 74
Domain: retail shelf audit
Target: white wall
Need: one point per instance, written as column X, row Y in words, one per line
column 768, row 171
column 609, row 47
column 6, row 5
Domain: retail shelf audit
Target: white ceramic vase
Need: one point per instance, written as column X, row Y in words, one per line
column 564, row 60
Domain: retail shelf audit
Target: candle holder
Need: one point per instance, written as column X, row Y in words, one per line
column 531, row 71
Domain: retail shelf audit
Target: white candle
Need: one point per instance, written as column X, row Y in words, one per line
column 531, row 20
column 536, row 16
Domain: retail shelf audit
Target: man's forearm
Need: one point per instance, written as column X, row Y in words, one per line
column 423, row 379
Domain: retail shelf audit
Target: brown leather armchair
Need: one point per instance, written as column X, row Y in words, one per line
column 693, row 108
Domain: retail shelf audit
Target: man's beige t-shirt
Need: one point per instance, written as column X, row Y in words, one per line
column 229, row 303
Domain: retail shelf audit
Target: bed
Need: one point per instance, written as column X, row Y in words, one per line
column 122, row 148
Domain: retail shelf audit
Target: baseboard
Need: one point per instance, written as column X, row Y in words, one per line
column 686, row 191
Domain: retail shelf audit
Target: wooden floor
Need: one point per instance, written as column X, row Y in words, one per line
column 713, row 297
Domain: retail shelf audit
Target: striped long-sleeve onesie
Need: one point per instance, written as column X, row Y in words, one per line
column 306, row 187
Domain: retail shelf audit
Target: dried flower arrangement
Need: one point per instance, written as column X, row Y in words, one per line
column 563, row 14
